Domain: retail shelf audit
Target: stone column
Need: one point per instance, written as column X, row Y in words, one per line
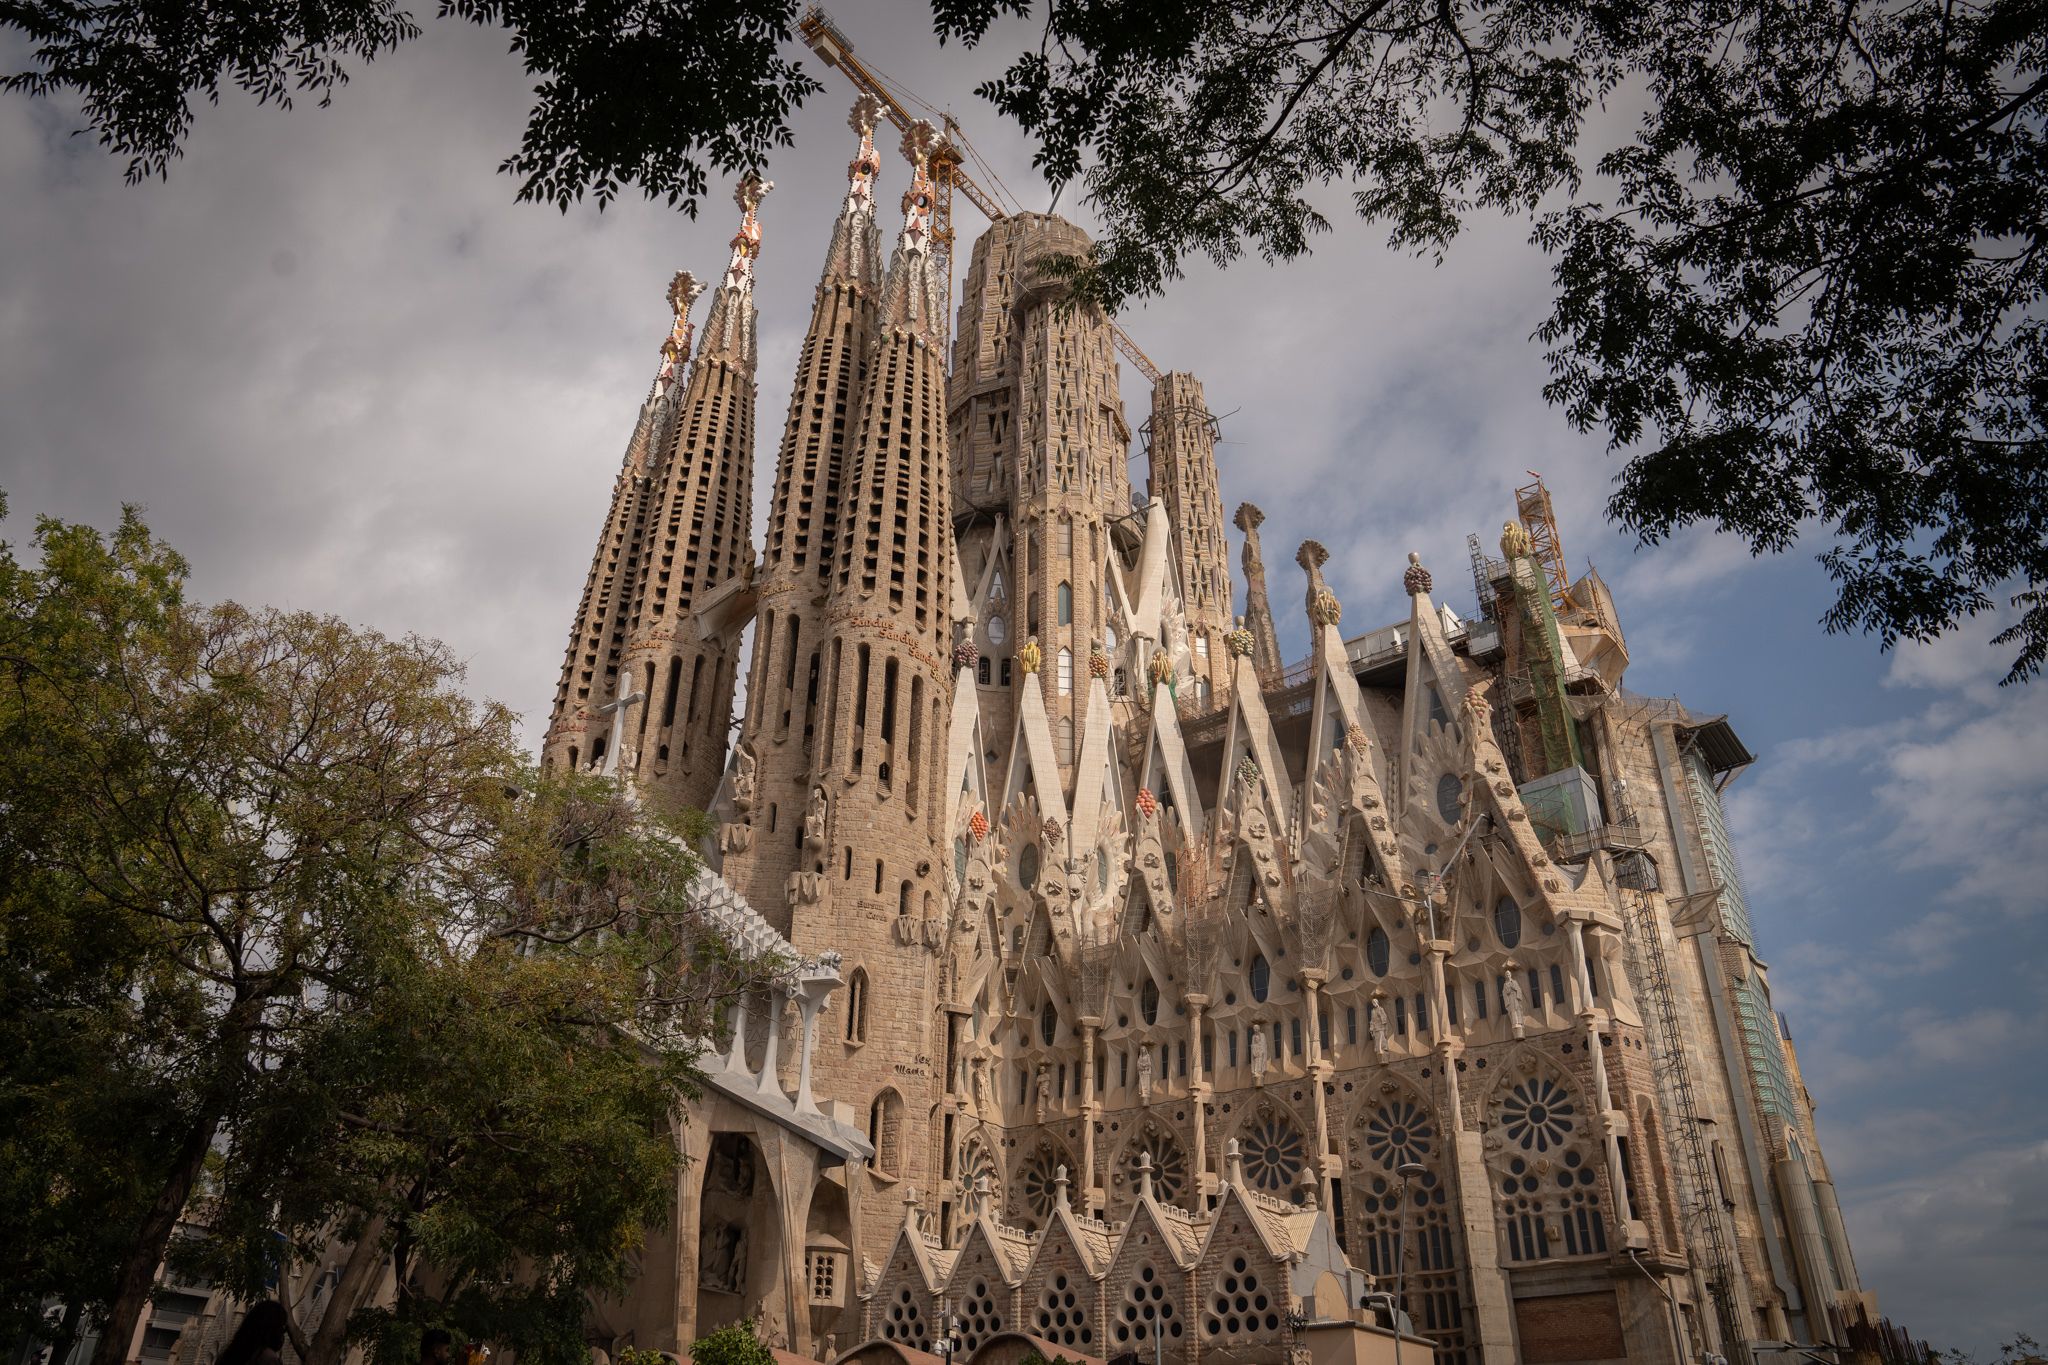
column 1591, row 1017
column 1198, row 1090
column 1327, row 1164
column 1089, row 1202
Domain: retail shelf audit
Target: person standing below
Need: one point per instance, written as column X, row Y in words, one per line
column 260, row 1338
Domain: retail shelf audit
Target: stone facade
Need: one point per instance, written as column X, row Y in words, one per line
column 1189, row 1001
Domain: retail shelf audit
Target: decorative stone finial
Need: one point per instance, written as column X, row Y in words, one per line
column 977, row 826
column 1239, row 641
column 682, row 292
column 966, row 654
column 1357, row 738
column 1233, row 1163
column 1249, row 518
column 1059, row 1186
column 1160, row 669
column 1098, row 662
column 746, row 243
column 918, row 141
column 1248, row 771
column 1416, row 580
column 1052, row 830
column 861, row 171
column 1031, row 656
column 1144, row 1175
column 1323, row 607
column 1514, row 539
column 1148, row 804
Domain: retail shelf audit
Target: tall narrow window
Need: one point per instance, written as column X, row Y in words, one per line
column 1066, row 673
column 857, row 1007
column 1066, row 741
column 1066, row 604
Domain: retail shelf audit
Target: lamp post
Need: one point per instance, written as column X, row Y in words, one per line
column 1407, row 1170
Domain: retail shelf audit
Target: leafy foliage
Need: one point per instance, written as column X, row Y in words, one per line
column 646, row 93
column 733, row 1344
column 1808, row 291
column 283, row 908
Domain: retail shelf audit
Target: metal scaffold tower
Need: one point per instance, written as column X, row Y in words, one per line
column 1546, row 548
column 1650, row 969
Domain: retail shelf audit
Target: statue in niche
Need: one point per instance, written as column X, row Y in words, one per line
column 1261, row 1057
column 722, row 1266
column 1513, row 1000
column 1145, row 1074
column 1044, row 1088
column 981, row 1104
column 814, row 819
column 1377, row 1026
column 733, row 1169
column 745, row 771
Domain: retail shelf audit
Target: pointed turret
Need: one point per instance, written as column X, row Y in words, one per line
column 788, row 703
column 876, row 819
column 1258, row 608
column 1182, row 447
column 697, row 540
column 590, row 670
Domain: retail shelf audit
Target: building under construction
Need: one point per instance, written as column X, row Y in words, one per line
column 1157, row 995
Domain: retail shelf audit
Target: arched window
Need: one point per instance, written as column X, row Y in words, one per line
column 1066, row 674
column 1048, row 1023
column 1148, row 1001
column 995, row 586
column 1378, row 951
column 903, row 899
column 1260, row 978
column 1066, row 604
column 885, row 1132
column 857, row 1007
column 1027, row 866
column 1507, row 921
column 998, row 630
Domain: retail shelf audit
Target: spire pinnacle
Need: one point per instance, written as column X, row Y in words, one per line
column 746, row 243
column 675, row 352
column 866, row 164
column 918, row 142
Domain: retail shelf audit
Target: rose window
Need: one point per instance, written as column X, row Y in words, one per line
column 1063, row 1314
column 1537, row 1114
column 1274, row 1153
column 1035, row 1182
column 1399, row 1132
column 975, row 1162
column 1169, row 1167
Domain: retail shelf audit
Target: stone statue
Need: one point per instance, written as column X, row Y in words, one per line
column 743, row 779
column 1044, row 1087
column 1513, row 1000
column 1261, row 1057
column 981, row 1104
column 1376, row 1025
column 723, row 1264
column 1145, row 1074
column 814, row 819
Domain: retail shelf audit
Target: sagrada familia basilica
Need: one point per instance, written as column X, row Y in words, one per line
column 1151, row 994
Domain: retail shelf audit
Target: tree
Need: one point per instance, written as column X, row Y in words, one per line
column 732, row 1344
column 1806, row 293
column 282, row 907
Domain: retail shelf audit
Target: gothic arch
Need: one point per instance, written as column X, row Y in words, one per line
column 1399, row 1123
column 856, row 1027
column 885, row 1133
column 1543, row 1147
column 1171, row 1170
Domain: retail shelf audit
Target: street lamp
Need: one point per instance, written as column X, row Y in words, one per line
column 1407, row 1170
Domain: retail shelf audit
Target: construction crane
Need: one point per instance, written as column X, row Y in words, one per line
column 948, row 164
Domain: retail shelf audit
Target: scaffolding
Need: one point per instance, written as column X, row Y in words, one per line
column 1650, row 972
column 1546, row 548
column 1543, row 663
column 1482, row 584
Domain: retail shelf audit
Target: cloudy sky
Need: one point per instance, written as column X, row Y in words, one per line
column 344, row 371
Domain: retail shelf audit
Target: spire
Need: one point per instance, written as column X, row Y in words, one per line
column 1258, row 609
column 675, row 351
column 855, row 253
column 730, row 332
column 913, row 298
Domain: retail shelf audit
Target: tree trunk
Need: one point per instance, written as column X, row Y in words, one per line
column 358, row 1280
column 138, row 1270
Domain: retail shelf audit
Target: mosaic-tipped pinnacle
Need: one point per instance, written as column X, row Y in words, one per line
column 866, row 115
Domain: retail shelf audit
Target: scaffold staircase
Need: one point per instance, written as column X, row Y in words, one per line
column 1643, row 945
